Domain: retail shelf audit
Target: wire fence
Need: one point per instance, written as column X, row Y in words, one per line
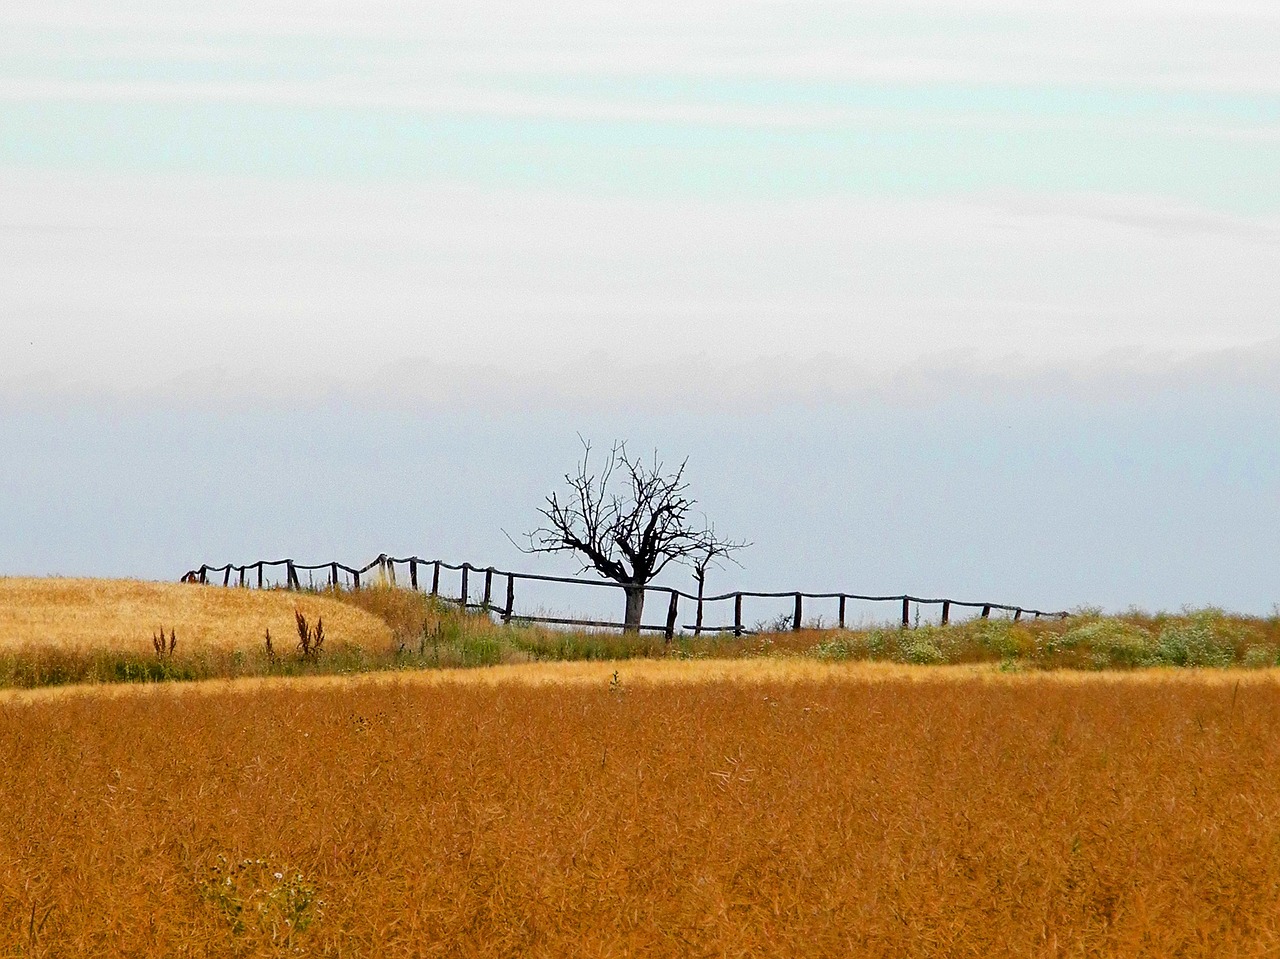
column 493, row 591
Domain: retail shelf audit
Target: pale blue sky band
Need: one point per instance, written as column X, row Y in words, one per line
column 894, row 157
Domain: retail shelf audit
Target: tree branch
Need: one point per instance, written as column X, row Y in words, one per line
column 631, row 537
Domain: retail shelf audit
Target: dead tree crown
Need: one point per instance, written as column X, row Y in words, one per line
column 632, row 535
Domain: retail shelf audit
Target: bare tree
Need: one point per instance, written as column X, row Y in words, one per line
column 712, row 552
column 631, row 535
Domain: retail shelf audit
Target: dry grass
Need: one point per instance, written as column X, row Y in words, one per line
column 573, row 674
column 122, row 615
column 816, row 810
column 664, row 672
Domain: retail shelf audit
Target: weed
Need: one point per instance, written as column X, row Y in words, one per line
column 779, row 624
column 162, row 649
column 256, row 899
column 310, row 639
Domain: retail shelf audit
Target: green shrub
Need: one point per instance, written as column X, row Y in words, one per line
column 876, row 644
column 1260, row 657
column 994, row 636
column 1109, row 643
column 834, row 649
column 1106, row 642
column 878, row 641
column 478, row 651
column 921, row 651
column 1192, row 644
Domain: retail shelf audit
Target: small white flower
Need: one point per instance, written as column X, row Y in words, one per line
column 279, row 875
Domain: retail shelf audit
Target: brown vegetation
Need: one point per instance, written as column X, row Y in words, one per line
column 809, row 812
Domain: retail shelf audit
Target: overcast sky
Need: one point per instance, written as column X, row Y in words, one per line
column 661, row 214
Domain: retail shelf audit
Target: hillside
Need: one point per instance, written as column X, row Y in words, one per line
column 123, row 615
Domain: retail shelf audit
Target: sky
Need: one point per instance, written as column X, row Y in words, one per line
column 971, row 297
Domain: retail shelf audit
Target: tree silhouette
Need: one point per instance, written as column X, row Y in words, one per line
column 627, row 521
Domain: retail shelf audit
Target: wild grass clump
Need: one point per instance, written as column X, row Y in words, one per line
column 1207, row 638
column 1199, row 638
column 32, row 667
column 428, row 632
column 1102, row 644
column 975, row 642
column 547, row 644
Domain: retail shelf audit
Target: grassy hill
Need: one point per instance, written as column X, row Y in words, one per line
column 64, row 631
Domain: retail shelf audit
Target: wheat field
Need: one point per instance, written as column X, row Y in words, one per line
column 123, row 615
column 754, row 808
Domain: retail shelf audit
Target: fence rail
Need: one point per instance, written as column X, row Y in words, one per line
column 421, row 571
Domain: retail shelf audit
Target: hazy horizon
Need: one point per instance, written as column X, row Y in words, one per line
column 937, row 296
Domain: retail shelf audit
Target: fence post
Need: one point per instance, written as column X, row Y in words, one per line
column 435, row 578
column 226, row 577
column 671, row 615
column 389, row 571
column 842, row 602
column 466, row 568
column 511, row 597
column 333, row 575
column 1017, row 614
column 737, row 614
column 488, row 587
column 795, row 625
column 204, row 577
column 242, row 569
column 413, row 573
column 291, row 575
column 259, row 575
column 355, row 579
column 906, row 611
column 946, row 611
column 986, row 611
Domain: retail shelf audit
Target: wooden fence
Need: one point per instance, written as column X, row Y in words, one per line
column 427, row 574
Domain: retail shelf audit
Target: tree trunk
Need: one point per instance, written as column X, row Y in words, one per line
column 635, row 608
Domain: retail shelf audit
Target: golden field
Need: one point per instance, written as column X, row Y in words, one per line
column 748, row 808
column 123, row 615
